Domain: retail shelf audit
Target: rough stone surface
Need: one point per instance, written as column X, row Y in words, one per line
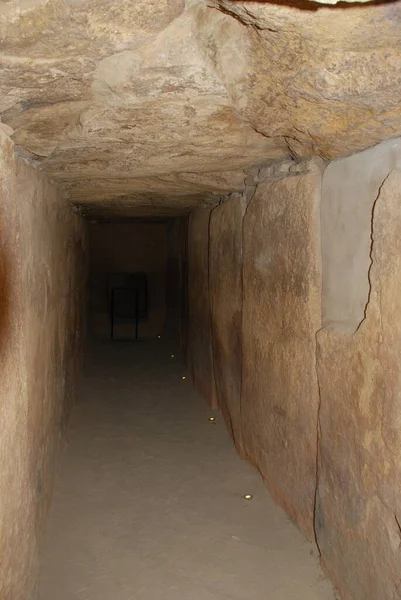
column 166, row 195
column 199, row 326
column 225, row 266
column 358, row 512
column 264, row 287
column 349, row 191
column 122, row 100
column 320, row 79
column 163, row 106
column 42, row 269
column 281, row 312
column 155, row 106
column 319, row 419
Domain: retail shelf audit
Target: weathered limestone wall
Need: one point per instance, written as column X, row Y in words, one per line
column 199, row 324
column 225, row 266
column 262, row 280
column 42, row 274
column 281, row 313
column 127, row 248
column 304, row 281
column 358, row 512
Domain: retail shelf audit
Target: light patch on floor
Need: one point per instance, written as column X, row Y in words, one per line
column 150, row 500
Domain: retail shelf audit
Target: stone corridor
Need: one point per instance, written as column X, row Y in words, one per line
column 149, row 499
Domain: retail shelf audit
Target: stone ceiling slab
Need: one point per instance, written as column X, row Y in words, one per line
column 116, row 99
column 326, row 79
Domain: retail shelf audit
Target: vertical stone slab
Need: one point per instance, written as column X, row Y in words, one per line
column 199, row 340
column 225, row 264
column 43, row 264
column 358, row 511
column 281, row 314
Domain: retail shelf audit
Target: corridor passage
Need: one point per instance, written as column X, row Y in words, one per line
column 149, row 500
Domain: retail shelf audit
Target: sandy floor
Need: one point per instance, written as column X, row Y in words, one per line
column 149, row 502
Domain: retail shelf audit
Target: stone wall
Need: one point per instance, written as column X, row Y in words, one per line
column 358, row 512
column 199, row 322
column 225, row 265
column 42, row 273
column 304, row 282
column 281, row 312
column 258, row 266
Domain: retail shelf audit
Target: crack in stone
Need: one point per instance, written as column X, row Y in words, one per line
column 398, row 524
column 371, row 249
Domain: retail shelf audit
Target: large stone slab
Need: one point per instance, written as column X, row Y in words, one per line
column 281, row 313
column 118, row 97
column 199, row 335
column 321, row 79
column 225, row 264
column 124, row 103
column 358, row 512
column 42, row 272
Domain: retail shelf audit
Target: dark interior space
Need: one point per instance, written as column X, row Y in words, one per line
column 135, row 279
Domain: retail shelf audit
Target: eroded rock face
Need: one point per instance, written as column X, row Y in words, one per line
column 358, row 512
column 112, row 98
column 322, row 80
column 106, row 96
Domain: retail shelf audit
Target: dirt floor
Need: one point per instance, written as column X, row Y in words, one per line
column 149, row 502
